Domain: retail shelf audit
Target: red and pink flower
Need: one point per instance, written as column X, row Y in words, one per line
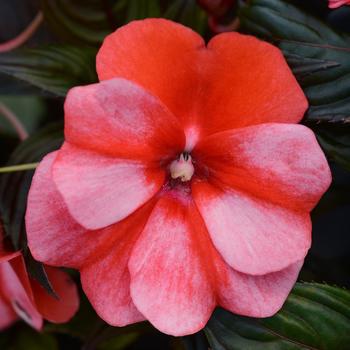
column 24, row 298
column 184, row 181
column 337, row 3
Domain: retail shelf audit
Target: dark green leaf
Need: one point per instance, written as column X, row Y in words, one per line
column 22, row 337
column 318, row 55
column 88, row 22
column 120, row 342
column 335, row 140
column 30, row 111
column 188, row 13
column 52, row 69
column 81, row 21
column 315, row 316
column 14, row 189
column 195, row 341
column 30, row 340
column 36, row 271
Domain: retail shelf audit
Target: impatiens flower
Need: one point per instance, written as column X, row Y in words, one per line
column 184, row 181
column 24, row 298
column 337, row 3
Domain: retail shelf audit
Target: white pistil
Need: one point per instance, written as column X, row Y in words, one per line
column 182, row 168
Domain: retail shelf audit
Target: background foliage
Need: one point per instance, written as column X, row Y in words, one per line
column 34, row 81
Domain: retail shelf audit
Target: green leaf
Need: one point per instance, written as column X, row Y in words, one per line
column 52, row 69
column 335, row 140
column 188, row 13
column 36, row 271
column 31, row 340
column 318, row 55
column 197, row 341
column 30, row 111
column 81, row 21
column 315, row 316
column 14, row 187
column 89, row 21
column 120, row 342
column 22, row 337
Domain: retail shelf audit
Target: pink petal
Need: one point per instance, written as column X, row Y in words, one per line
column 7, row 315
column 281, row 163
column 15, row 293
column 54, row 237
column 57, row 310
column 253, row 236
column 337, row 3
column 256, row 296
column 169, row 281
column 106, row 281
column 121, row 119
column 99, row 190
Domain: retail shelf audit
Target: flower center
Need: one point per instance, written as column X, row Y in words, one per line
column 182, row 167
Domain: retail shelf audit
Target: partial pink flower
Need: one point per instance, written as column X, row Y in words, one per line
column 24, row 298
column 184, row 181
column 337, row 3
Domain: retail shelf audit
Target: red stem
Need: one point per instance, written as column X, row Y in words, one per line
column 15, row 122
column 24, row 36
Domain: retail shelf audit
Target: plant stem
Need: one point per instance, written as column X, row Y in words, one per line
column 15, row 122
column 19, row 167
column 24, row 36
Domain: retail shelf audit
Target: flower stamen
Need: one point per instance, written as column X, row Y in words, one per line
column 182, row 168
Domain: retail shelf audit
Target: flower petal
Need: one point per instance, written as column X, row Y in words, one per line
column 281, row 163
column 121, row 119
column 235, row 81
column 337, row 3
column 15, row 293
column 158, row 54
column 249, row 82
column 8, row 316
column 253, row 236
column 54, row 237
column 169, row 282
column 57, row 310
column 256, row 296
column 100, row 190
column 106, row 282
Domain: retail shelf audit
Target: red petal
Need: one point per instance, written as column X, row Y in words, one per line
column 236, row 81
column 158, row 54
column 170, row 285
column 106, row 282
column 121, row 119
column 249, row 82
column 15, row 293
column 281, row 163
column 253, row 236
column 52, row 309
column 53, row 235
column 99, row 190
